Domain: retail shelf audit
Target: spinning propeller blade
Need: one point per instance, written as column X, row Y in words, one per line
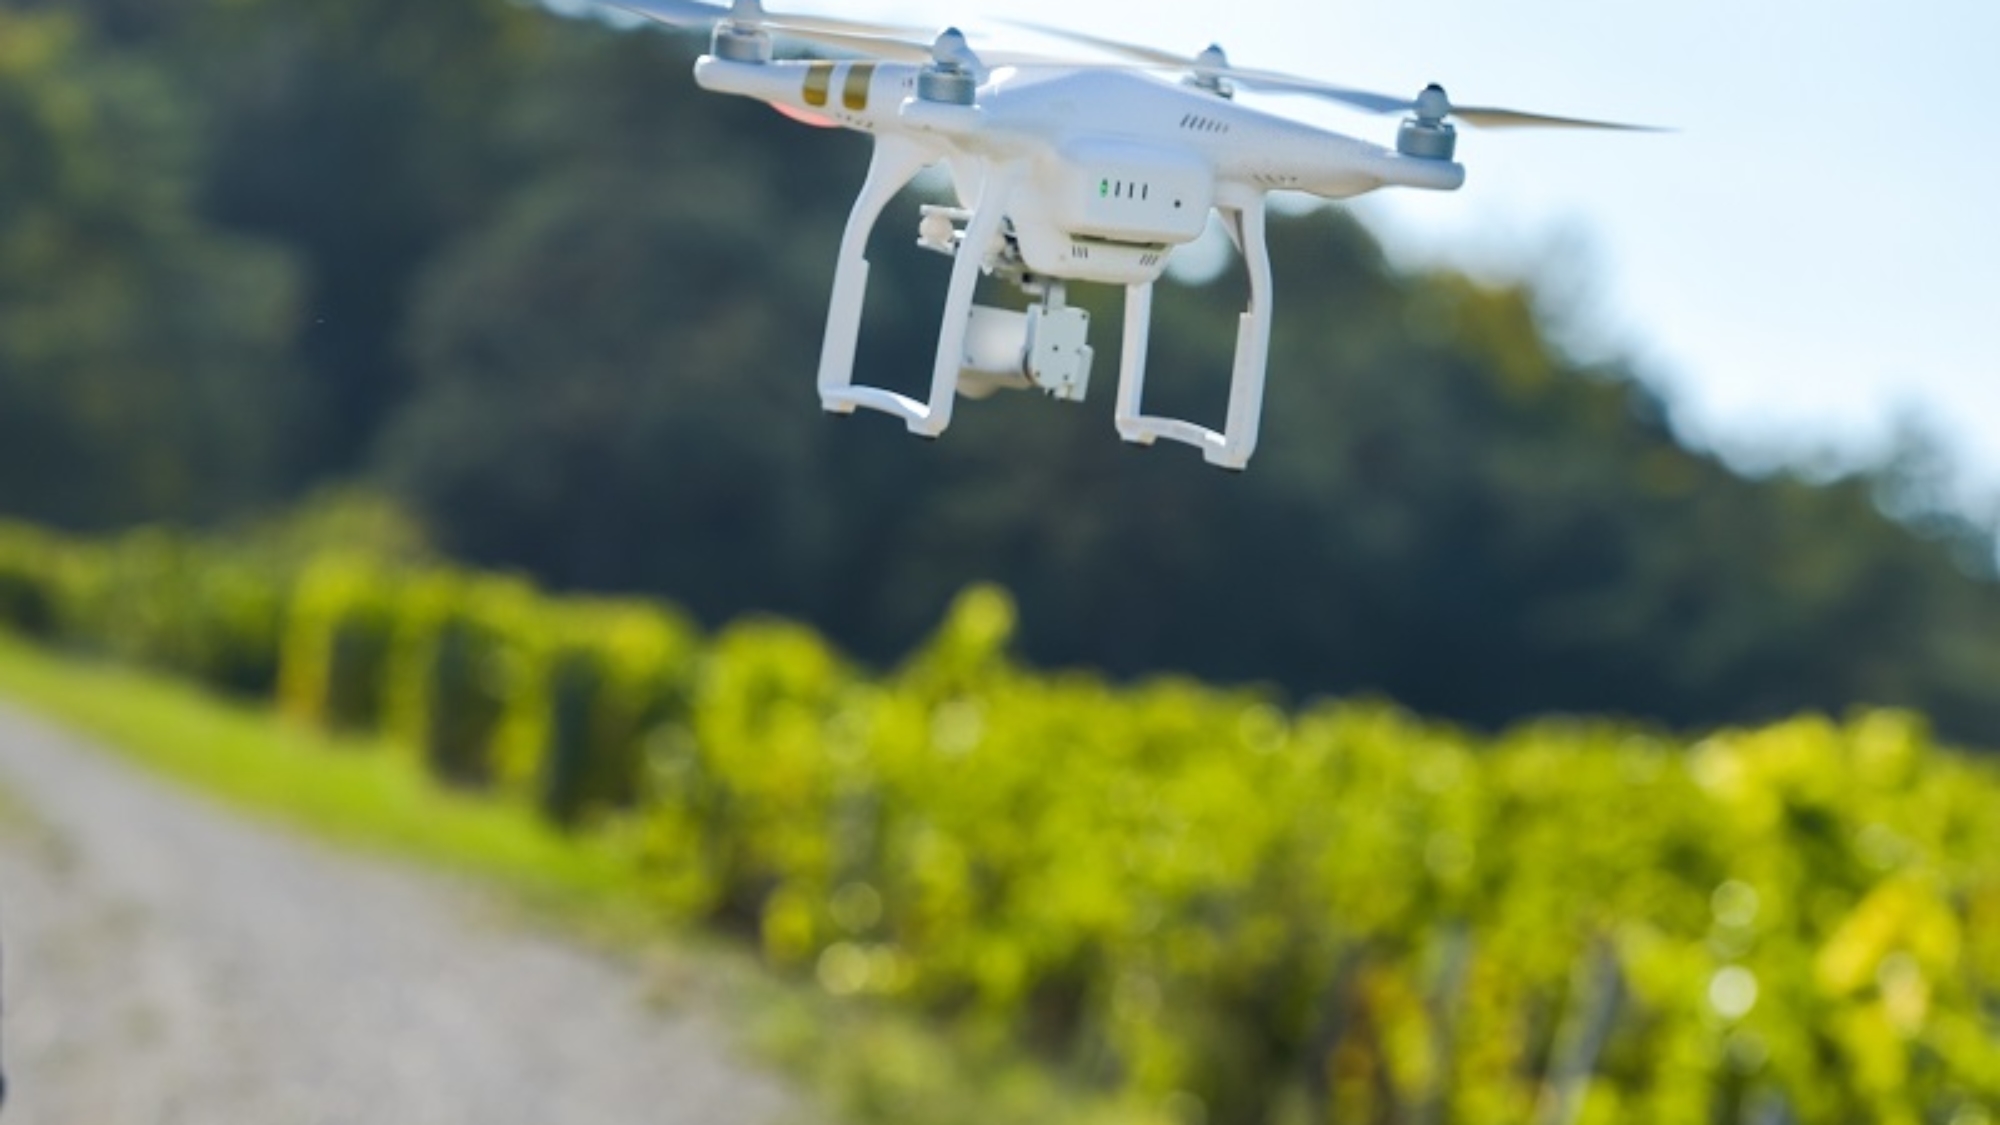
column 885, row 47
column 887, row 42
column 948, row 47
column 675, row 13
column 1430, row 104
column 1130, row 50
column 1488, row 118
column 751, row 13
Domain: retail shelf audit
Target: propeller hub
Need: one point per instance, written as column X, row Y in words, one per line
column 1432, row 106
column 950, row 50
column 1210, row 70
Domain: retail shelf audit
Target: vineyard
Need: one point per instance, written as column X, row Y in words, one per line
column 1208, row 906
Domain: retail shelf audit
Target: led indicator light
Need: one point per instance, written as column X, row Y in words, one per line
column 1103, row 188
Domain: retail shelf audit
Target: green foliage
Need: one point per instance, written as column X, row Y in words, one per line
column 157, row 598
column 339, row 518
column 1189, row 900
column 455, row 662
column 210, row 613
column 600, row 679
column 359, row 135
column 730, row 793
column 1350, row 915
column 27, row 598
column 336, row 650
column 142, row 368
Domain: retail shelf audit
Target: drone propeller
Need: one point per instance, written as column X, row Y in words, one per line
column 1430, row 106
column 888, row 48
column 750, row 15
column 1135, row 51
column 886, row 42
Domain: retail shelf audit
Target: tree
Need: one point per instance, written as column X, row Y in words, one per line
column 143, row 370
column 359, row 135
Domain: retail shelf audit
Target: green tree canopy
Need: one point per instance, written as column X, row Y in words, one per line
column 143, row 362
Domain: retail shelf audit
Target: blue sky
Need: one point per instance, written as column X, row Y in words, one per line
column 1810, row 258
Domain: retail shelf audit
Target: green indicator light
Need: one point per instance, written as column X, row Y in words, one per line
column 1103, row 187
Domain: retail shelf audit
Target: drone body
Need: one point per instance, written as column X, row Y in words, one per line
column 1064, row 171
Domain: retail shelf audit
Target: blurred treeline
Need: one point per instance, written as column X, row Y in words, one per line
column 516, row 270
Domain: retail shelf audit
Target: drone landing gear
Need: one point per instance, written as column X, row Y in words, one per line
column 983, row 349
column 896, row 162
column 1232, row 447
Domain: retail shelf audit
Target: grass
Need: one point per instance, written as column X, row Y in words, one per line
column 353, row 791
column 864, row 1062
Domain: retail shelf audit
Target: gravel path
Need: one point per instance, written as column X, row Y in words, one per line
column 167, row 962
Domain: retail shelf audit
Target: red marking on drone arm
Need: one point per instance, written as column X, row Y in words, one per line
column 804, row 118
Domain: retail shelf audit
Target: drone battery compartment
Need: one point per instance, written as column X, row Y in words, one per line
column 1124, row 191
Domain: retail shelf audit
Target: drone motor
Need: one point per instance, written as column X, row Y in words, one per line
column 738, row 43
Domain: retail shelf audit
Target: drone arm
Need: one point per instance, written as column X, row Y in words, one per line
column 896, row 162
column 1243, row 215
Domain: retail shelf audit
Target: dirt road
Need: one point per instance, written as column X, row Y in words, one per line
column 167, row 962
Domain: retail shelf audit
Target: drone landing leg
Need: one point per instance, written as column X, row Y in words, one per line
column 1231, row 448
column 1132, row 426
column 1253, row 342
column 980, row 232
column 896, row 162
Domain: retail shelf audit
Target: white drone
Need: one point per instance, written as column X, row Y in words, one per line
column 1064, row 170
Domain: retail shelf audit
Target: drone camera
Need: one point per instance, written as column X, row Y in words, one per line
column 1059, row 352
column 1046, row 347
column 994, row 346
